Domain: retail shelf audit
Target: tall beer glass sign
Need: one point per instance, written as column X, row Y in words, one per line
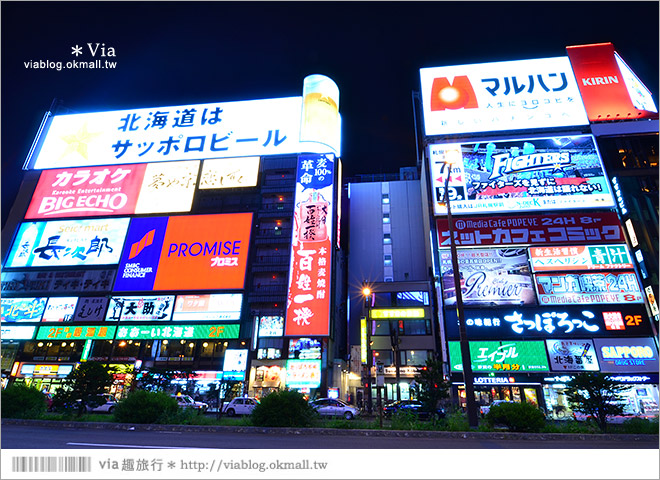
column 320, row 113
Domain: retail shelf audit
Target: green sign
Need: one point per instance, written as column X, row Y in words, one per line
column 609, row 255
column 505, row 356
column 163, row 332
column 75, row 332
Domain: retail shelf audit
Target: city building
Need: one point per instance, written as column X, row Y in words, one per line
column 202, row 239
column 550, row 169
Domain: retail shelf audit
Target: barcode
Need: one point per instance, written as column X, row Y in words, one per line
column 51, row 464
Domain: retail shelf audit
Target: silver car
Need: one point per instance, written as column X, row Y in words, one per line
column 335, row 408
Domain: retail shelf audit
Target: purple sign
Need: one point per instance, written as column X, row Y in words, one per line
column 139, row 261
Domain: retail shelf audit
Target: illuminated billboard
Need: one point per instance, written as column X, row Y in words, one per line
column 185, row 253
column 186, row 132
column 627, row 355
column 93, row 332
column 609, row 89
column 229, row 173
column 554, row 173
column 13, row 332
column 63, row 243
column 489, row 277
column 596, row 257
column 224, row 306
column 90, row 309
column 168, row 187
column 581, row 288
column 235, row 360
column 501, row 96
column 49, row 282
column 558, row 322
column 308, row 303
column 305, row 348
column 22, row 309
column 505, row 356
column 178, row 332
column 552, row 229
column 572, row 355
column 303, row 373
column 140, row 308
column 271, row 326
column 60, row 309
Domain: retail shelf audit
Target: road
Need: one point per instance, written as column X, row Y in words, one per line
column 17, row 436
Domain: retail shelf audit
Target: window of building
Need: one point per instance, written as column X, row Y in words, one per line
column 387, row 238
column 387, row 260
column 386, row 198
column 414, row 357
column 386, row 218
column 383, row 356
column 415, row 327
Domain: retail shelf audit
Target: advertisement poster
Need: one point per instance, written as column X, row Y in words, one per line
column 93, row 332
column 12, row 332
column 502, row 356
column 627, row 355
column 553, row 229
column 572, row 355
column 489, row 277
column 49, row 282
column 22, row 309
column 303, row 373
column 229, row 173
column 308, row 303
column 584, row 288
column 60, row 309
column 64, row 243
column 597, row 257
column 168, row 187
column 178, row 332
column 536, row 174
column 91, row 309
column 305, row 348
column 223, row 306
column 185, row 253
column 554, row 322
column 499, row 96
column 83, row 192
column 140, row 308
column 271, row 326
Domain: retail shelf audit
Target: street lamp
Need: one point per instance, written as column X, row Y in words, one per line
column 366, row 292
column 468, row 377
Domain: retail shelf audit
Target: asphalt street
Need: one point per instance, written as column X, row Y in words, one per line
column 30, row 437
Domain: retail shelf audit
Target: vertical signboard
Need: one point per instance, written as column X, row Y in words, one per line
column 308, row 302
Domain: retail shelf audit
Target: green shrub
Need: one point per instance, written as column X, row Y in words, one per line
column 640, row 425
column 516, row 417
column 455, row 422
column 146, row 407
column 21, row 401
column 402, row 420
column 285, row 408
column 570, row 426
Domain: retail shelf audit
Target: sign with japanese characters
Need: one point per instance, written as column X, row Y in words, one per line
column 185, row 253
column 59, row 309
column 49, row 282
column 596, row 257
column 572, row 355
column 308, row 304
column 489, row 277
column 535, row 174
column 271, row 326
column 627, row 355
column 22, row 309
column 553, row 229
column 93, row 332
column 305, row 348
column 505, row 356
column 501, row 96
column 561, row 321
column 235, row 360
column 68, row 243
column 13, row 332
column 140, row 308
column 609, row 88
column 303, row 373
column 91, row 309
column 80, row 192
column 168, row 187
column 177, row 332
column 397, row 313
column 229, row 173
column 582, row 288
column 223, row 306
column 186, row 132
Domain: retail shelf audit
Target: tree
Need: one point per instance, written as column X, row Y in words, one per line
column 83, row 386
column 432, row 387
column 596, row 395
column 158, row 379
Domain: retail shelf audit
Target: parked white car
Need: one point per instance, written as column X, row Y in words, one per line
column 240, row 406
column 107, row 406
column 186, row 401
column 335, row 408
column 484, row 409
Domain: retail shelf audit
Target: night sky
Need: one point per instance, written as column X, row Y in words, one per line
column 175, row 53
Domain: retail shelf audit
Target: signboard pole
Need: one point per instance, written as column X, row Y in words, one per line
column 468, row 377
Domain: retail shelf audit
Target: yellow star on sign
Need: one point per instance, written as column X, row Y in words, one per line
column 78, row 142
